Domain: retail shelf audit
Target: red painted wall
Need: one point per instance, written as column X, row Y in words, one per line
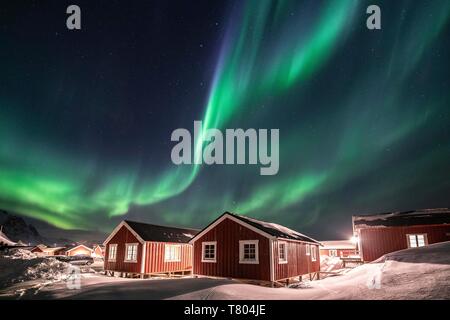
column 227, row 234
column 298, row 262
column 122, row 237
column 376, row 242
column 155, row 253
column 340, row 252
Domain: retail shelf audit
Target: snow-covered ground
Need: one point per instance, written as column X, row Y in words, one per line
column 419, row 273
column 329, row 264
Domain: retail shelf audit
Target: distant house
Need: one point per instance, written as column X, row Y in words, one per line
column 79, row 250
column 98, row 251
column 338, row 248
column 382, row 233
column 135, row 248
column 235, row 246
column 38, row 249
column 44, row 251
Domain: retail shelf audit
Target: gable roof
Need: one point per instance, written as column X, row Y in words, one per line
column 52, row 249
column 151, row 232
column 267, row 229
column 405, row 218
column 80, row 245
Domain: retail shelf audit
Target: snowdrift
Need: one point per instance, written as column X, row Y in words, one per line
column 418, row 273
column 21, row 265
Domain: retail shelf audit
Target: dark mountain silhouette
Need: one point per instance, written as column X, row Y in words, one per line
column 32, row 231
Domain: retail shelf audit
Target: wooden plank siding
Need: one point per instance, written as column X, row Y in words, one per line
column 227, row 234
column 122, row 237
column 155, row 255
column 298, row 263
column 375, row 242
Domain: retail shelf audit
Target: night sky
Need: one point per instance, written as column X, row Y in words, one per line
column 86, row 116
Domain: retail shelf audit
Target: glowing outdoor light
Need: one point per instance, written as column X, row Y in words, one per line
column 354, row 239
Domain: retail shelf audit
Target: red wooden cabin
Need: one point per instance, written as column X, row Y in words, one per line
column 338, row 248
column 135, row 248
column 235, row 246
column 383, row 233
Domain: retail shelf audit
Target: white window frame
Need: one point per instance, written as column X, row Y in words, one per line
column 313, row 252
column 280, row 260
column 172, row 253
column 127, row 246
column 113, row 245
column 308, row 249
column 242, row 243
column 408, row 240
column 209, row 243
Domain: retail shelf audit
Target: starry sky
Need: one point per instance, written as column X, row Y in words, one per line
column 86, row 116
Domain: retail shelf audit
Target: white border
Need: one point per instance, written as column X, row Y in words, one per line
column 228, row 216
column 215, row 251
column 248, row 226
column 126, row 252
column 241, row 251
column 285, row 252
column 314, row 254
column 144, row 256
column 109, row 252
column 425, row 238
column 123, row 223
column 172, row 245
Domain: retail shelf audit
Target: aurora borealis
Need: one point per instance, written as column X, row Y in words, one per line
column 86, row 116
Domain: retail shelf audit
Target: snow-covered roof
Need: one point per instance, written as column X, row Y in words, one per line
column 79, row 246
column 268, row 229
column 274, row 229
column 48, row 249
column 405, row 218
column 338, row 244
column 151, row 232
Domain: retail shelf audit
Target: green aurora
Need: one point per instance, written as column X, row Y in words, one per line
column 363, row 116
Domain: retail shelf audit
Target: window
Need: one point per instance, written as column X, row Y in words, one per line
column 282, row 254
column 209, row 251
column 172, row 253
column 308, row 250
column 333, row 253
column 248, row 251
column 131, row 252
column 112, row 252
column 313, row 253
column 417, row 240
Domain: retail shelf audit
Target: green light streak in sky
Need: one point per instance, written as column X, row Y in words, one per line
column 261, row 57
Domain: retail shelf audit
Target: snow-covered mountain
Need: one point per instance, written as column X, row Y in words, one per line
column 15, row 228
column 32, row 231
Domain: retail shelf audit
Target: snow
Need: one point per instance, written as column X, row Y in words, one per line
column 5, row 240
column 20, row 265
column 418, row 273
column 329, row 264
